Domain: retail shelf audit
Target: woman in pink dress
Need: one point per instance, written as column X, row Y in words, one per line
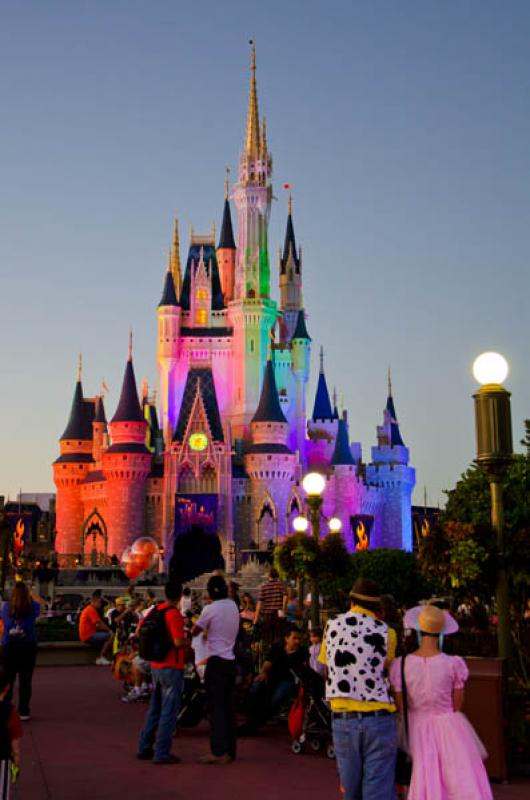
column 447, row 755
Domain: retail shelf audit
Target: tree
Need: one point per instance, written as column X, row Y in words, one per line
column 396, row 571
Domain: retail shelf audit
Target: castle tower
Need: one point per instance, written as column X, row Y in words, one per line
column 69, row 470
column 99, row 431
column 201, row 292
column 226, row 251
column 323, row 425
column 126, row 465
column 301, row 353
column 252, row 313
column 269, row 464
column 290, row 267
column 169, row 316
column 347, row 489
column 389, row 471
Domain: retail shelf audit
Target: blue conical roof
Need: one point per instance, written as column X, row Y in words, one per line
column 322, row 408
column 300, row 332
column 226, row 238
column 395, row 434
column 129, row 409
column 169, row 296
column 269, row 409
column 289, row 245
column 80, row 421
column 342, row 453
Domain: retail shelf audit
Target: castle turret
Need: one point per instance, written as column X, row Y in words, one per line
column 252, row 313
column 290, row 266
column 347, row 489
column 269, row 463
column 126, row 465
column 99, row 431
column 301, row 353
column 69, row 470
column 226, row 251
column 389, row 470
column 322, row 427
column 169, row 318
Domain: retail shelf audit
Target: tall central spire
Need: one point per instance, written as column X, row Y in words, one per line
column 252, row 139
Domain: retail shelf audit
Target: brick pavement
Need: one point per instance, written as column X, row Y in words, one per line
column 81, row 742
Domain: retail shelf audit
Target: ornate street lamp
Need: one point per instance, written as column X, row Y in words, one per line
column 493, row 424
column 300, row 524
column 314, row 484
column 335, row 525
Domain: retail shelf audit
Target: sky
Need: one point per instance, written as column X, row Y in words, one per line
column 404, row 130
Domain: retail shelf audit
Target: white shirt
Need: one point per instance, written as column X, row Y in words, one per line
column 220, row 620
column 185, row 604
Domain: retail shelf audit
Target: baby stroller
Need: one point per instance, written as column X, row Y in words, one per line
column 193, row 708
column 310, row 716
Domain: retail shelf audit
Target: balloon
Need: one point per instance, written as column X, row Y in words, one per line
column 145, row 546
column 126, row 556
column 132, row 570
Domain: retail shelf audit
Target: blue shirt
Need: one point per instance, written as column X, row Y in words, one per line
column 22, row 630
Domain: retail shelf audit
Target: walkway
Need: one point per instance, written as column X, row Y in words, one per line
column 81, row 742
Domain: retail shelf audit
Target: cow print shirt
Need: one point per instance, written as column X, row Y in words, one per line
column 356, row 650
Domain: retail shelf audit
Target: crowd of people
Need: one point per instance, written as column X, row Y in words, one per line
column 394, row 707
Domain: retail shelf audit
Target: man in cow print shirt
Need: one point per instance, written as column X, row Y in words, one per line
column 356, row 650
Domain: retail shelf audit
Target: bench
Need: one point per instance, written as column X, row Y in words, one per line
column 56, row 654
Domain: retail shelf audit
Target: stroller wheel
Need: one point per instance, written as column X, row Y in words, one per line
column 315, row 744
column 296, row 747
column 330, row 751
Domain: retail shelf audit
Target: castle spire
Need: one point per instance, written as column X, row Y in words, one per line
column 79, row 424
column 289, row 246
column 175, row 259
column 79, row 367
column 342, row 454
column 263, row 140
column 322, row 408
column 252, row 136
column 129, row 409
column 269, row 408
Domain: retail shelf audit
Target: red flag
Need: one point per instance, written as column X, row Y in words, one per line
column 286, row 185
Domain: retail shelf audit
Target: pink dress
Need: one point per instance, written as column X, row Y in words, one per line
column 447, row 755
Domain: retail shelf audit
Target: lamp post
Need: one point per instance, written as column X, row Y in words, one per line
column 493, row 424
column 314, row 484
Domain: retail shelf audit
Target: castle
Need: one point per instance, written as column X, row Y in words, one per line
column 232, row 437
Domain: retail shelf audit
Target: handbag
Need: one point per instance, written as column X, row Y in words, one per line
column 403, row 760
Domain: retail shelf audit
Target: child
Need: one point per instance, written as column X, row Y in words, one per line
column 315, row 643
column 10, row 735
column 446, row 752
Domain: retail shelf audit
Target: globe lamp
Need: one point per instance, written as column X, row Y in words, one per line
column 300, row 524
column 335, row 525
column 314, row 484
column 490, row 368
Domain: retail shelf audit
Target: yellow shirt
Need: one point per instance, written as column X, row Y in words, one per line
column 347, row 704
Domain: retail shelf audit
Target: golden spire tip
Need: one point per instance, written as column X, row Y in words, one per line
column 130, row 344
column 79, row 367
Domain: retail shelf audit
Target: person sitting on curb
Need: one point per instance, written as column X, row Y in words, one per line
column 275, row 683
column 94, row 632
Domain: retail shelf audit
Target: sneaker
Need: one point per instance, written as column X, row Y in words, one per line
column 211, row 759
column 171, row 759
column 147, row 755
column 103, row 662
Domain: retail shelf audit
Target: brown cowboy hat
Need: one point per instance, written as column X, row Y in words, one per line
column 367, row 590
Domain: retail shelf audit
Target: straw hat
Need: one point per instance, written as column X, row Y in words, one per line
column 430, row 619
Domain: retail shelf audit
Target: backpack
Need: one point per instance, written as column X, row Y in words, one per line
column 154, row 639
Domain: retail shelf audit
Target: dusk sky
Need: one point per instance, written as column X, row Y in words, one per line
column 404, row 129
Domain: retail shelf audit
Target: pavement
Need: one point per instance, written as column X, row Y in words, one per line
column 81, row 741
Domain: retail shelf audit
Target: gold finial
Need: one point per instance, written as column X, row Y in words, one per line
column 263, row 144
column 130, row 344
column 321, row 359
column 79, row 367
column 175, row 259
column 252, row 137
column 145, row 389
column 227, row 183
column 389, row 382
column 290, row 204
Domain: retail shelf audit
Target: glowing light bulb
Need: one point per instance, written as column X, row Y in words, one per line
column 300, row 524
column 335, row 525
column 490, row 368
column 314, row 483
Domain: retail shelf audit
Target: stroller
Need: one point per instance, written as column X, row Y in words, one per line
column 310, row 716
column 193, row 707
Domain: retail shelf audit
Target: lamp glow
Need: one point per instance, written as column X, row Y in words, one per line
column 490, row 368
column 335, row 525
column 314, row 484
column 300, row 524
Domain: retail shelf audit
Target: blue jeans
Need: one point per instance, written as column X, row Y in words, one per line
column 161, row 717
column 365, row 749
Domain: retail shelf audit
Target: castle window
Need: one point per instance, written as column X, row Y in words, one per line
column 200, row 294
column 201, row 316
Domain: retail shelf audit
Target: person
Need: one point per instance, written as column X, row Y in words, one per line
column 291, row 606
column 315, row 645
column 93, row 631
column 10, row 736
column 270, row 601
column 19, row 640
column 447, row 755
column 168, row 682
column 186, row 601
column 356, row 650
column 220, row 621
column 248, row 608
column 275, row 684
